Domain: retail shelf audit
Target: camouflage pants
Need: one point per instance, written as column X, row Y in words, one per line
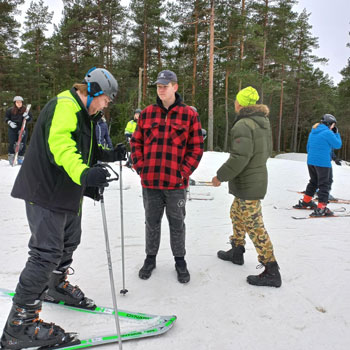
column 246, row 217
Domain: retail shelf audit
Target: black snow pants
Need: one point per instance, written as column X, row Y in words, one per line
column 55, row 236
column 13, row 137
column 173, row 201
column 319, row 178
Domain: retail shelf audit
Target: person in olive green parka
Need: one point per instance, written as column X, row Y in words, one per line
column 246, row 173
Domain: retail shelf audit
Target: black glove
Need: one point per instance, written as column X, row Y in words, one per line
column 337, row 161
column 95, row 177
column 335, row 129
column 119, row 152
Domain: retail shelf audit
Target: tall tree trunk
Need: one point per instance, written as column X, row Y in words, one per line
column 227, row 75
column 297, row 105
column 241, row 45
column 264, row 51
column 211, row 81
column 144, row 82
column 100, row 34
column 281, row 112
column 195, row 50
column 159, row 50
column 226, row 108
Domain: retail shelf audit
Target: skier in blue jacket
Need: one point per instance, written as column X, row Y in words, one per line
column 323, row 138
column 102, row 134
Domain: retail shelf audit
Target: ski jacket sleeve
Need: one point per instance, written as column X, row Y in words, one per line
column 61, row 142
column 130, row 127
column 136, row 144
column 335, row 140
column 99, row 134
column 8, row 115
column 108, row 140
column 194, row 147
column 242, row 148
column 30, row 117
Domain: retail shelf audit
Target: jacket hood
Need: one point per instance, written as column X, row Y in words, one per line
column 178, row 101
column 318, row 128
column 259, row 113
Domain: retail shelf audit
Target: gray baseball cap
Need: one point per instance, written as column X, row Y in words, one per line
column 165, row 77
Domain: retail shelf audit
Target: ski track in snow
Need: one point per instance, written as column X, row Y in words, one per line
column 217, row 309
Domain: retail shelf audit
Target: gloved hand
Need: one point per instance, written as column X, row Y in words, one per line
column 12, row 124
column 335, row 129
column 337, row 161
column 95, row 177
column 26, row 116
column 120, row 152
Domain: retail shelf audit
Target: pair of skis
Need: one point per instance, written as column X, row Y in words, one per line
column 148, row 325
column 335, row 200
column 337, row 213
column 20, row 136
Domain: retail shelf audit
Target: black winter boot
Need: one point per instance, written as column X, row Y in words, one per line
column 148, row 266
column 61, row 290
column 183, row 276
column 234, row 255
column 270, row 277
column 24, row 329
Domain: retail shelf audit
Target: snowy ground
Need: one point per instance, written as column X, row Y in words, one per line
column 217, row 309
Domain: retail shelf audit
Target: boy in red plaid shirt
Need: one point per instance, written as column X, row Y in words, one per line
column 166, row 148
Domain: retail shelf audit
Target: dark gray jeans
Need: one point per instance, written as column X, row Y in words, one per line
column 173, row 201
column 55, row 236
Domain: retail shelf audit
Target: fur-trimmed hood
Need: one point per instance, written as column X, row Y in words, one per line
column 254, row 110
column 259, row 113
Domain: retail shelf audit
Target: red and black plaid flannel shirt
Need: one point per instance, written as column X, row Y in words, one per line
column 167, row 145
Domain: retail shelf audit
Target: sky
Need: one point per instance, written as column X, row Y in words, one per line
column 217, row 309
column 330, row 21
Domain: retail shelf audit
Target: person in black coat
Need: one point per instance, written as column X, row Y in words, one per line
column 14, row 118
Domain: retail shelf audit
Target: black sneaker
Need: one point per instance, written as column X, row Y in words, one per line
column 270, row 277
column 322, row 212
column 305, row 205
column 146, row 270
column 183, row 276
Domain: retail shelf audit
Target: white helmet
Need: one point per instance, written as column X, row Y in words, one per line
column 18, row 98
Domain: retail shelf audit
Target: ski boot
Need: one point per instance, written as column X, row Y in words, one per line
column 305, row 205
column 24, row 329
column 60, row 290
column 321, row 212
column 148, row 266
column 270, row 277
column 183, row 276
column 11, row 158
column 235, row 254
column 20, row 160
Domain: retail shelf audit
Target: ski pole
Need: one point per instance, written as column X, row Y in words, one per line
column 124, row 290
column 110, row 269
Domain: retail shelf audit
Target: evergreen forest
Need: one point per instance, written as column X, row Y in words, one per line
column 216, row 47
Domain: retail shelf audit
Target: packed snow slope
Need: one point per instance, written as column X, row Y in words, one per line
column 217, row 309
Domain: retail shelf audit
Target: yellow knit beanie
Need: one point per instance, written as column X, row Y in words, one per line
column 247, row 96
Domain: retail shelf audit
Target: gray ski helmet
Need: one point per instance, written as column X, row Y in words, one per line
column 18, row 98
column 328, row 119
column 137, row 111
column 101, row 81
